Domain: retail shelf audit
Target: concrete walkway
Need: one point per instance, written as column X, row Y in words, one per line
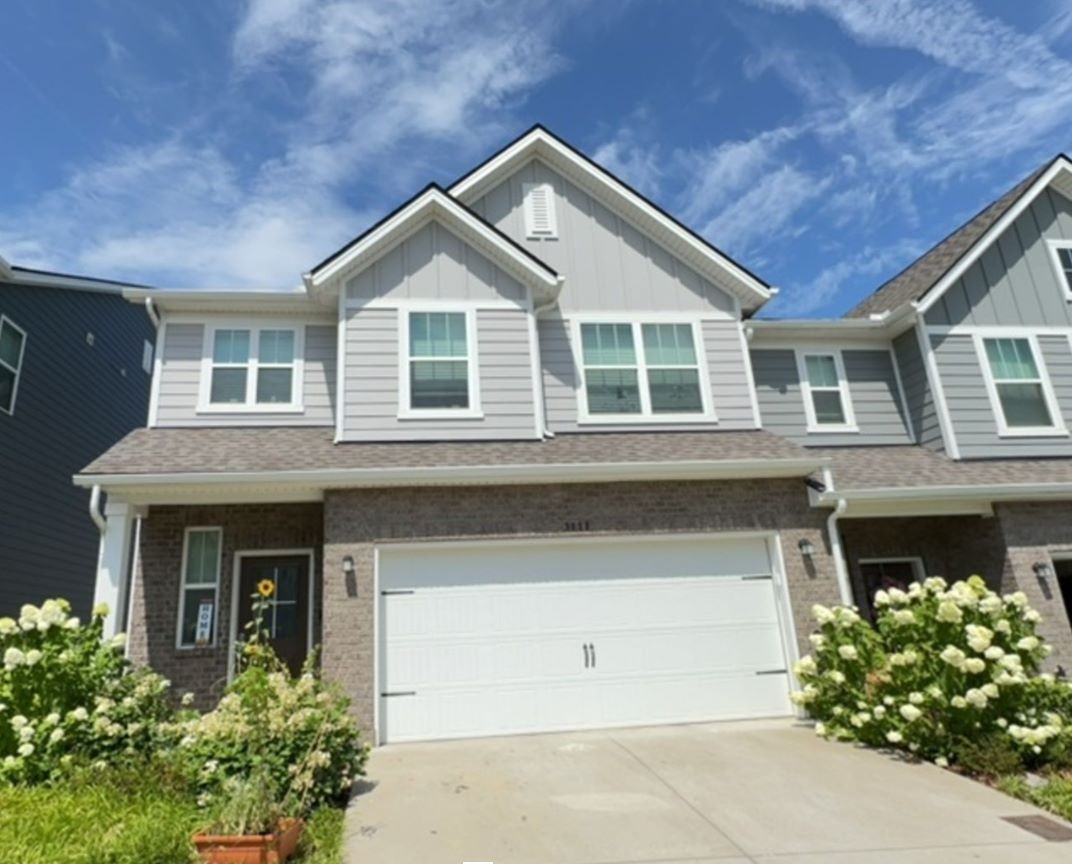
column 767, row 792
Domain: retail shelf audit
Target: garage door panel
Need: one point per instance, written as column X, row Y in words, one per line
column 501, row 652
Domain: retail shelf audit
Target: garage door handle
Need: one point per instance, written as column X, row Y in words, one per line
column 592, row 648
column 772, row 672
column 584, row 647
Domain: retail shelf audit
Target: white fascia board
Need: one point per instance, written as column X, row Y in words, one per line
column 995, row 231
column 431, row 204
column 605, row 472
column 219, row 301
column 540, row 143
column 71, row 283
column 981, row 493
column 5, row 269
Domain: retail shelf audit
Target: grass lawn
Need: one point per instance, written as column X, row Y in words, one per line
column 1056, row 796
column 87, row 822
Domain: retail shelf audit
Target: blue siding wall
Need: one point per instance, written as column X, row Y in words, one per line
column 74, row 401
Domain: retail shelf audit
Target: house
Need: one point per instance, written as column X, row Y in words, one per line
column 520, row 457
column 75, row 367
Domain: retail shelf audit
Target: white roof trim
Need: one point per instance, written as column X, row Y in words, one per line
column 981, row 492
column 5, row 269
column 35, row 278
column 540, row 143
column 434, row 203
column 197, row 301
column 249, row 482
column 934, row 294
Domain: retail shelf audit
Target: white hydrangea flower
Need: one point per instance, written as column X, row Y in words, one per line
column 949, row 612
column 910, row 712
column 1028, row 643
column 1017, row 599
column 991, row 604
column 26, row 750
column 915, row 698
column 847, row 652
column 974, row 665
column 941, row 762
column 1002, row 722
column 79, row 714
column 904, row 616
column 1012, row 662
column 804, row 666
column 100, row 610
column 979, row 638
column 26, row 733
column 935, row 584
column 991, row 690
column 882, row 598
column 836, row 675
column 898, row 597
column 119, row 640
column 952, row 655
column 822, row 614
column 958, row 702
column 52, row 719
column 33, row 657
column 894, row 737
column 1003, row 627
column 56, row 736
column 994, row 652
column 820, row 729
column 880, row 711
column 888, row 701
column 976, row 697
column 1032, row 616
column 8, row 626
column 18, row 721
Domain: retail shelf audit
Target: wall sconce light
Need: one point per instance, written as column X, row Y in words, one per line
column 1043, row 570
column 807, row 548
column 348, row 565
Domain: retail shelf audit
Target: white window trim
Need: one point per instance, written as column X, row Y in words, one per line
column 251, row 406
column 1058, row 429
column 646, row 416
column 1062, row 280
column 813, row 425
column 405, row 409
column 182, row 589
column 7, row 322
column 530, row 219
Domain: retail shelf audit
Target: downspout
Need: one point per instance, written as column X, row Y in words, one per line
column 150, row 310
column 542, row 400
column 836, row 552
column 95, row 511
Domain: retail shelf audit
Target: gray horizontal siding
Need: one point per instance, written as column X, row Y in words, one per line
column 872, row 389
column 970, row 409
column 726, row 371
column 371, row 380
column 922, row 415
column 607, row 262
column 434, row 263
column 1014, row 281
column 181, row 375
column 74, row 401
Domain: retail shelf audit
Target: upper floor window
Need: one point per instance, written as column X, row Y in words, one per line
column 539, row 207
column 634, row 369
column 12, row 345
column 439, row 372
column 1025, row 404
column 1062, row 256
column 253, row 369
column 827, row 405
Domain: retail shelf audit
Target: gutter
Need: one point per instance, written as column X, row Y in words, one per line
column 838, row 554
column 1002, row 492
column 541, row 405
column 426, row 475
column 150, row 310
column 95, row 511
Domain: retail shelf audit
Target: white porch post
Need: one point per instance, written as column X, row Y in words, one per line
column 113, row 564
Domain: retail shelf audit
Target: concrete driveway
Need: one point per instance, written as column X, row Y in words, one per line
column 727, row 793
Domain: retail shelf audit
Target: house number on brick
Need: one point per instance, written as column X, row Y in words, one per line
column 579, row 525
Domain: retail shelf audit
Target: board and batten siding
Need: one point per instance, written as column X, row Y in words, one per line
column 880, row 417
column 970, row 410
column 919, row 399
column 76, row 398
column 607, row 262
column 433, row 263
column 1014, row 282
column 371, row 381
column 180, row 377
column 727, row 373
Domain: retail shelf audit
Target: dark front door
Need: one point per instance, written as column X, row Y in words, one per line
column 287, row 617
column 1064, row 583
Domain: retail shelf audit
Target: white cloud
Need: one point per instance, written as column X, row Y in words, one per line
column 629, row 154
column 408, row 82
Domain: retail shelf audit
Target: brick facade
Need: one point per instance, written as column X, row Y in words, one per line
column 203, row 671
column 355, row 521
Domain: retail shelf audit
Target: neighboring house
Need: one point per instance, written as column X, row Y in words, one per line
column 75, row 366
column 520, row 458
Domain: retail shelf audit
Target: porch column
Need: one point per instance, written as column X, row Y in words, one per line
column 113, row 563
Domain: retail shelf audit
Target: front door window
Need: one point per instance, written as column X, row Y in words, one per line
column 287, row 617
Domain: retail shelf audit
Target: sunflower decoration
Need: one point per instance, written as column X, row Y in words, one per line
column 266, row 588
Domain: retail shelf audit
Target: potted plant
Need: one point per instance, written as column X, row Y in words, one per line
column 250, row 827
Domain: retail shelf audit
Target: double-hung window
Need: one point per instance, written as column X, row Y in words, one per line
column 1024, row 404
column 252, row 369
column 827, row 405
column 200, row 590
column 1062, row 258
column 439, row 366
column 643, row 370
column 12, row 346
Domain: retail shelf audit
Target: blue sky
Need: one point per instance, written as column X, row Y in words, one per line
column 824, row 143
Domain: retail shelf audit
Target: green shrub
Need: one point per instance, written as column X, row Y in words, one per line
column 991, row 756
column 66, row 696
column 944, row 665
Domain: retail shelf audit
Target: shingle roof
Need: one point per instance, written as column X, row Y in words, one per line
column 871, row 468
column 924, row 273
column 240, row 450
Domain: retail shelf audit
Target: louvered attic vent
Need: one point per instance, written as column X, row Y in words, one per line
column 540, row 210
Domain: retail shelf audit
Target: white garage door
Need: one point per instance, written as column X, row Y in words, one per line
column 506, row 637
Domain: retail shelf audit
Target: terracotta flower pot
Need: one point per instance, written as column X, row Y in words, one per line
column 272, row 848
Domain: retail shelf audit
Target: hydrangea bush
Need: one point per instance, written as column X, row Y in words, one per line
column 67, row 697
column 944, row 666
